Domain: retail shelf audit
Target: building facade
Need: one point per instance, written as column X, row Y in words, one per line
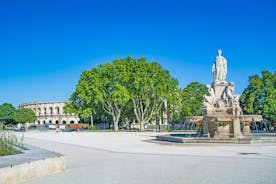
column 51, row 112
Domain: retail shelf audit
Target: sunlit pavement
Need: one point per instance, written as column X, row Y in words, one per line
column 133, row 158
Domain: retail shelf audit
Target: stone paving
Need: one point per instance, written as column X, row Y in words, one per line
column 133, row 158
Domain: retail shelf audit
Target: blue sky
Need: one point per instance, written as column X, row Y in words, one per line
column 45, row 44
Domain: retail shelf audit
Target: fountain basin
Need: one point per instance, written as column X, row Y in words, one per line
column 224, row 118
column 180, row 138
column 183, row 139
column 186, row 135
column 224, row 125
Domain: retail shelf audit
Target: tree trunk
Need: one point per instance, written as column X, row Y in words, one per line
column 115, row 112
column 116, row 128
column 142, row 127
column 91, row 123
column 116, row 122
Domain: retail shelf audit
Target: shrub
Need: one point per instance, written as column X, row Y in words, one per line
column 92, row 128
column 169, row 128
column 8, row 141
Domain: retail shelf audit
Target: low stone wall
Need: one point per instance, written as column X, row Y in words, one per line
column 33, row 163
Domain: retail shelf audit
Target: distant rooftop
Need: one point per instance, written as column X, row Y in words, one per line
column 37, row 103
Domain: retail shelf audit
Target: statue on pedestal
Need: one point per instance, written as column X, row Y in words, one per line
column 209, row 98
column 219, row 68
column 229, row 96
column 222, row 115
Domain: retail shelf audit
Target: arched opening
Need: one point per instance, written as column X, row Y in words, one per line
column 39, row 111
column 34, row 110
column 63, row 122
column 72, row 122
column 44, row 122
column 38, row 122
column 51, row 110
column 50, row 121
column 56, row 121
column 45, row 110
column 57, row 110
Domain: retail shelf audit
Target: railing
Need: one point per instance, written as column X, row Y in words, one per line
column 268, row 134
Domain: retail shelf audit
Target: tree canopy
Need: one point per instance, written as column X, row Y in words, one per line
column 101, row 89
column 127, row 82
column 192, row 99
column 150, row 87
column 260, row 95
column 9, row 114
column 24, row 116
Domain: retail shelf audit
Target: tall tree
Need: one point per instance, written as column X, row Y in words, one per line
column 7, row 113
column 260, row 95
column 150, row 86
column 122, row 84
column 101, row 87
column 192, row 99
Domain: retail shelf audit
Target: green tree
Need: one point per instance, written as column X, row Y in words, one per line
column 101, row 87
column 128, row 115
column 24, row 116
column 7, row 113
column 175, row 107
column 80, row 104
column 149, row 86
column 192, row 99
column 116, row 87
column 260, row 95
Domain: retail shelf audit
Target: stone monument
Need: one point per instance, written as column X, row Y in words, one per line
column 222, row 115
column 222, row 120
column 221, row 105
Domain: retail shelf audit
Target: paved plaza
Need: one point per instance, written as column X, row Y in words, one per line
column 125, row 158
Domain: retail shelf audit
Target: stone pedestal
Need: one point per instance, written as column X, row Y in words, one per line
column 237, row 128
column 222, row 115
column 246, row 132
column 223, row 132
column 219, row 88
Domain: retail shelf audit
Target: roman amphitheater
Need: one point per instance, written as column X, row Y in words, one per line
column 51, row 112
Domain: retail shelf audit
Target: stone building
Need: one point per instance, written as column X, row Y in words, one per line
column 51, row 112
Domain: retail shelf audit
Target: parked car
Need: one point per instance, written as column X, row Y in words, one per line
column 32, row 127
column 62, row 127
column 50, row 126
column 68, row 130
column 19, row 129
column 8, row 127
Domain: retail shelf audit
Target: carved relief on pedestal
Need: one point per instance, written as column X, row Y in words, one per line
column 221, row 97
column 209, row 98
